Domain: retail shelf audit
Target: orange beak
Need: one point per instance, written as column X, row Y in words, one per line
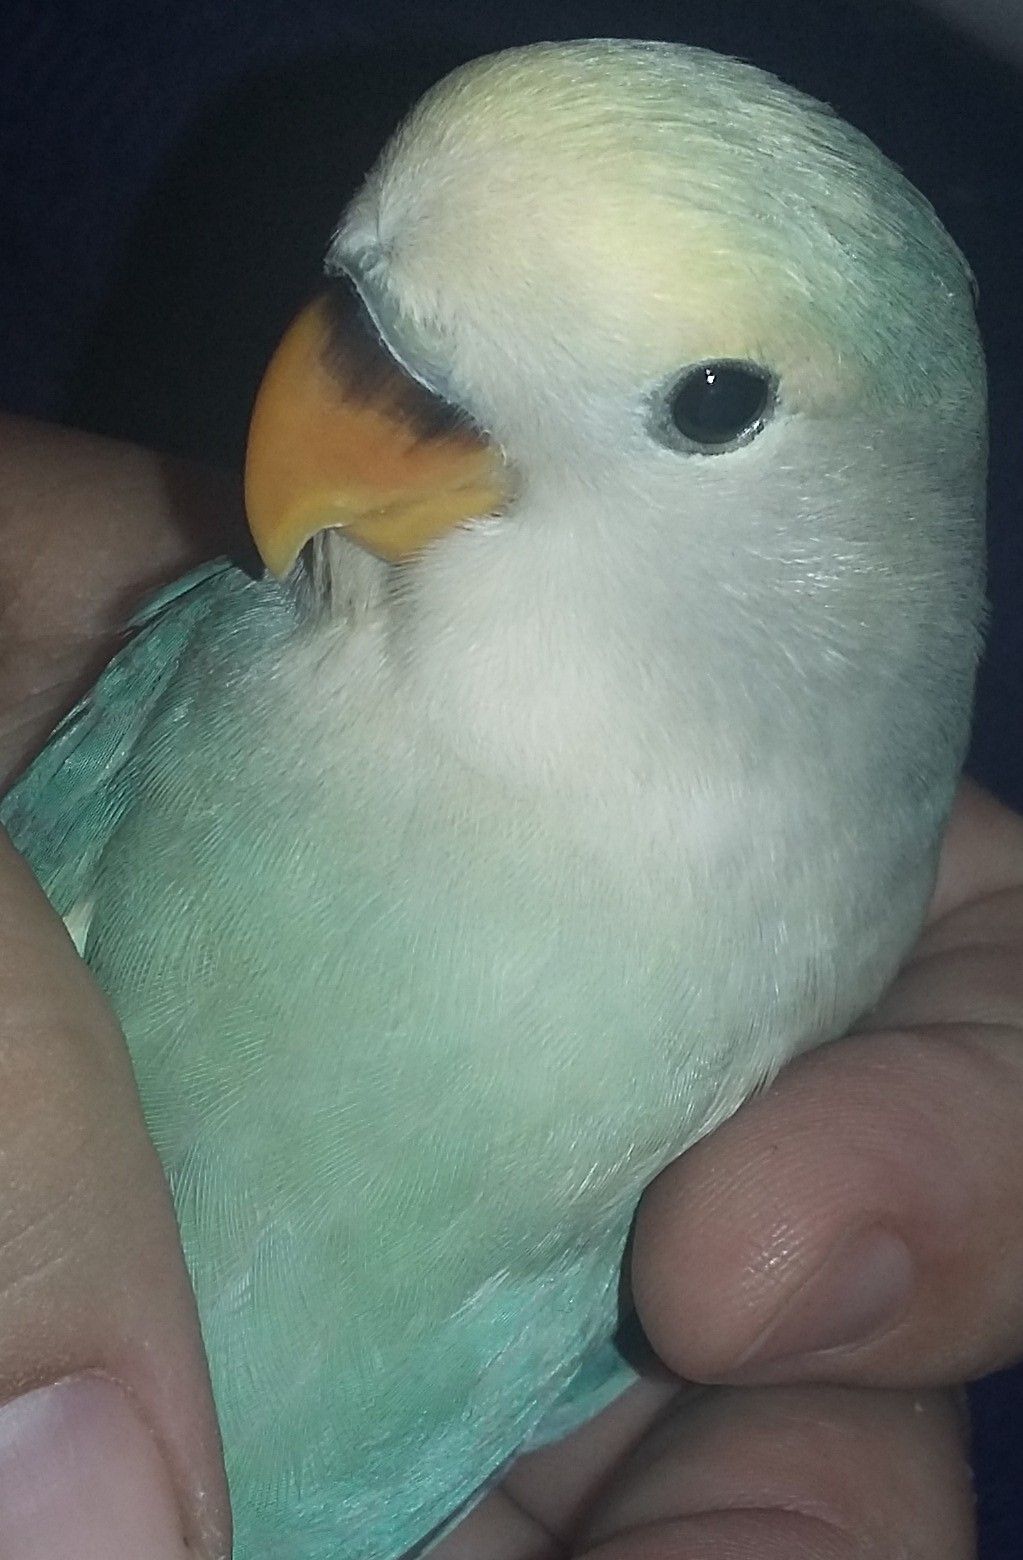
column 343, row 436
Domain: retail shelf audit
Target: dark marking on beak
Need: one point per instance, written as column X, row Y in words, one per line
column 360, row 359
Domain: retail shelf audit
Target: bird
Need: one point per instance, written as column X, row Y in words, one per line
column 581, row 755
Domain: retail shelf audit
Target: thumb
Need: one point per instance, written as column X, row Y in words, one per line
column 861, row 1222
column 108, row 1440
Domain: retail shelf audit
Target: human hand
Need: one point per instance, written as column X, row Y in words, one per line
column 912, row 1128
column 123, row 1458
column 855, row 1229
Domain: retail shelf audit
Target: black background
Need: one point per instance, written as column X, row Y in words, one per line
column 170, row 172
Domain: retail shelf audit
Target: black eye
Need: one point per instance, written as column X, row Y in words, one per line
column 716, row 406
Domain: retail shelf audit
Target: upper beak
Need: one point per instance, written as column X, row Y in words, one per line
column 343, row 435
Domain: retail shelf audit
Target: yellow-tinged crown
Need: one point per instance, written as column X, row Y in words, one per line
column 644, row 204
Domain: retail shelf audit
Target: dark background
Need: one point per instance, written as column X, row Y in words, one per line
column 170, row 171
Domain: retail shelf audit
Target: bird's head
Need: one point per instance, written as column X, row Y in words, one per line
column 635, row 336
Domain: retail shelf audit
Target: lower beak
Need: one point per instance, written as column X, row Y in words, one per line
column 343, row 436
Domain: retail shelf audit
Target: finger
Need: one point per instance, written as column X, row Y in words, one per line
column 87, row 527
column 793, row 1473
column 498, row 1529
column 862, row 1222
column 558, row 1484
column 981, row 860
column 537, row 1507
column 108, row 1440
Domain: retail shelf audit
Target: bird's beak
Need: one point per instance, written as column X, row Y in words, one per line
column 343, row 435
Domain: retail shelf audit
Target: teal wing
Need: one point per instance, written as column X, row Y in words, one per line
column 62, row 812
column 265, row 1214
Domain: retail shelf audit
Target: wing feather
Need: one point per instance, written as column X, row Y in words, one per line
column 62, row 812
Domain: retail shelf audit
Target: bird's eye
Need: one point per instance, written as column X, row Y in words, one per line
column 716, row 406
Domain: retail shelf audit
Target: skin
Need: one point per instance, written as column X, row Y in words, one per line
column 912, row 1127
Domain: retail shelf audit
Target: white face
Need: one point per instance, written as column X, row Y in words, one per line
column 746, row 421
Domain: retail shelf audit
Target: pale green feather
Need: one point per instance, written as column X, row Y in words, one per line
column 65, row 808
column 439, row 923
column 147, row 805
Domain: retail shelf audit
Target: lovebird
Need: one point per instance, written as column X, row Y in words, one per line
column 581, row 756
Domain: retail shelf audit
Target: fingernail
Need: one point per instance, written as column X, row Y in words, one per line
column 81, row 1475
column 859, row 1291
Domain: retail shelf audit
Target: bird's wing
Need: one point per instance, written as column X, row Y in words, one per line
column 64, row 809
column 604, row 1375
